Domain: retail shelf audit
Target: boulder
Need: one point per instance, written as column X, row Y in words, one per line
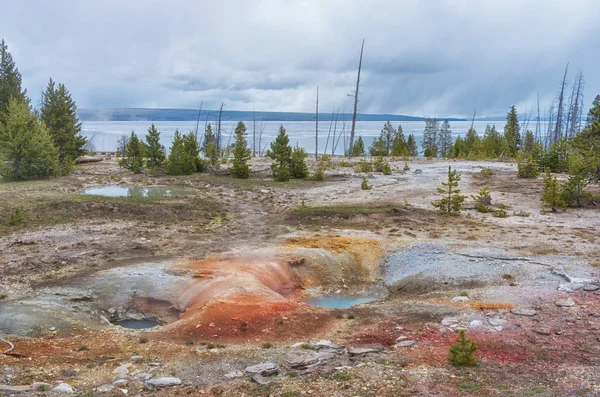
column 303, row 361
column 406, row 343
column 122, row 371
column 565, row 303
column 120, row 382
column 325, row 344
column 496, row 321
column 475, row 324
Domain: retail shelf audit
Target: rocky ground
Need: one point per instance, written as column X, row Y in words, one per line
column 226, row 268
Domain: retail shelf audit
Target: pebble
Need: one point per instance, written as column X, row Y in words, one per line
column 105, row 388
column 565, row 303
column 523, row 312
column 542, row 331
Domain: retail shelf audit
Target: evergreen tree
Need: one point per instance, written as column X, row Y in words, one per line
column 462, row 353
column 358, row 150
column 528, row 142
column 378, row 147
column 411, row 144
column 451, row 201
column 59, row 113
column 492, row 142
column 298, row 167
column 26, row 149
column 382, row 145
column 241, row 153
column 135, row 151
column 192, row 148
column 154, row 152
column 399, row 145
column 587, row 142
column 511, row 132
column 552, row 195
column 281, row 152
column 180, row 160
column 430, row 148
column 471, row 140
column 209, row 147
column 459, row 149
column 10, row 82
column 445, row 139
column 573, row 191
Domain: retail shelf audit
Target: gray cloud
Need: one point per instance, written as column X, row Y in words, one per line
column 442, row 58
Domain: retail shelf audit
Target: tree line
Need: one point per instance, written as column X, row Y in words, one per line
column 35, row 143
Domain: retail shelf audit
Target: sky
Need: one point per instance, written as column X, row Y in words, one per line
column 421, row 58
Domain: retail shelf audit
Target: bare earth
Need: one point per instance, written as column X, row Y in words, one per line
column 226, row 269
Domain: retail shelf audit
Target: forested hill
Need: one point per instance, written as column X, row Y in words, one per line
column 133, row 114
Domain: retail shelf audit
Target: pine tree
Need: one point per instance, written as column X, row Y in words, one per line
column 209, row 147
column 154, row 151
column 511, row 132
column 59, row 113
column 135, row 151
column 241, row 153
column 573, row 191
column 471, row 140
column 381, row 146
column 528, row 142
column 10, row 82
column 451, row 201
column 411, row 144
column 26, row 149
column 587, row 142
column 430, row 148
column 298, row 167
column 462, row 353
column 459, row 149
column 399, row 145
column 552, row 194
column 180, row 161
column 192, row 148
column 281, row 152
column 493, row 143
column 358, row 150
column 445, row 139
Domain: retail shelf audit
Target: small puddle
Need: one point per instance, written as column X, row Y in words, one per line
column 340, row 301
column 137, row 324
column 138, row 191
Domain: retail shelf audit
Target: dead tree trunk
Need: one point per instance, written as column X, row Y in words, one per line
column 353, row 128
column 559, row 112
column 254, row 133
column 317, row 129
column 198, row 120
column 219, row 131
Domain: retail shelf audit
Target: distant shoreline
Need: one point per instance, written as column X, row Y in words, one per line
column 141, row 114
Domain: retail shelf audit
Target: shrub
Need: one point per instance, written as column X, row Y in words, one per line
column 298, row 168
column 365, row 185
column 406, row 167
column 487, row 172
column 500, row 213
column 281, row 174
column 189, row 342
column 266, row 345
column 528, row 169
column 462, row 352
column 364, row 166
column 83, row 348
column 16, row 218
column 379, row 164
column 319, row 174
column 552, row 195
column 483, row 199
column 386, row 170
column 143, row 339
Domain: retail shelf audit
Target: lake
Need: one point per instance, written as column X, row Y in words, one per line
column 105, row 135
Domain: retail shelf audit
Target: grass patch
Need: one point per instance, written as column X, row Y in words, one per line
column 189, row 342
column 83, row 348
column 469, row 386
column 339, row 377
column 351, row 317
column 3, row 296
column 266, row 345
column 143, row 339
column 291, row 394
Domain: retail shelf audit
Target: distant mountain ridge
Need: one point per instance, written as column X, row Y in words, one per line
column 143, row 114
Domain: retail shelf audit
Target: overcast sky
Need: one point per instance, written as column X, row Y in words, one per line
column 425, row 58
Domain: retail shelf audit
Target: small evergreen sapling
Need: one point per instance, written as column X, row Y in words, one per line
column 154, row 151
column 365, row 185
column 241, row 153
column 462, row 352
column 298, row 167
column 135, row 151
column 451, row 201
column 483, row 199
column 552, row 195
column 281, row 153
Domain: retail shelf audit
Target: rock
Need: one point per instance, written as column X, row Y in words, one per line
column 264, row 369
column 15, row 389
column 418, row 171
column 460, row 299
column 156, row 383
column 122, row 371
column 324, row 356
column 306, row 360
column 64, row 388
column 137, row 359
column 570, row 287
column 105, row 388
column 542, row 331
column 523, row 312
column 143, row 376
column 325, row 344
column 475, row 324
column 449, row 321
column 591, row 287
column 41, row 386
column 406, row 343
column 234, row 374
column 496, row 321
column 401, row 338
column 361, row 351
column 565, row 303
column 121, row 382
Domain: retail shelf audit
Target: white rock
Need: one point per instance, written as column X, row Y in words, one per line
column 449, row 321
column 523, row 312
column 264, row 369
column 64, row 388
column 460, row 299
column 105, row 388
column 496, row 321
column 406, row 343
column 161, row 382
column 565, row 303
column 120, row 382
column 137, row 359
column 122, row 371
column 475, row 324
column 234, row 374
